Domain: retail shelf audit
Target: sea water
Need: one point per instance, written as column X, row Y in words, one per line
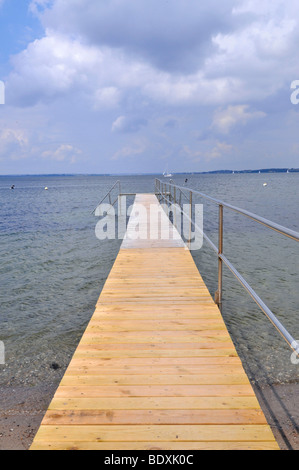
column 53, row 267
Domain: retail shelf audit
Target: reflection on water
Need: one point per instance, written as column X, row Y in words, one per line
column 53, row 267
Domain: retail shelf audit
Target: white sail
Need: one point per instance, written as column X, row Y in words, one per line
column 166, row 174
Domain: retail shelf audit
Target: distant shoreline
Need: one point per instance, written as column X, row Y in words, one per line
column 214, row 172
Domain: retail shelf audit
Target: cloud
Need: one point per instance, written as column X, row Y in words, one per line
column 13, row 143
column 62, row 153
column 38, row 6
column 165, row 72
column 124, row 124
column 261, row 54
column 131, row 150
column 220, row 149
column 153, row 31
column 224, row 54
column 225, row 119
column 107, row 97
column 213, row 151
column 49, row 68
column 56, row 66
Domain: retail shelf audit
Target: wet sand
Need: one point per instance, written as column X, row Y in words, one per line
column 22, row 411
column 23, row 408
column 280, row 406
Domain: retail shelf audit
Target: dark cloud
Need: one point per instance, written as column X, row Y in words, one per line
column 173, row 35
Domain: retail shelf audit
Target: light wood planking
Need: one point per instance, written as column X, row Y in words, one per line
column 156, row 368
column 153, row 446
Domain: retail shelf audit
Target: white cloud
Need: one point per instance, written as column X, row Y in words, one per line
column 131, row 150
column 118, row 124
column 220, row 149
column 62, row 153
column 51, row 67
column 125, row 66
column 124, row 124
column 13, row 143
column 225, row 119
column 74, row 56
column 263, row 53
column 107, row 97
column 215, row 150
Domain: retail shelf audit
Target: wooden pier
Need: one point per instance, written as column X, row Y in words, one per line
column 156, row 368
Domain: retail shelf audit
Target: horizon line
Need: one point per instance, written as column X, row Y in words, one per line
column 274, row 169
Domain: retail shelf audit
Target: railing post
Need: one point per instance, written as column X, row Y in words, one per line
column 190, row 214
column 218, row 295
column 174, row 207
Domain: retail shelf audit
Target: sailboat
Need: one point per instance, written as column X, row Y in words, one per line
column 166, row 174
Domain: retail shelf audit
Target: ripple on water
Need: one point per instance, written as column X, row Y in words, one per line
column 53, row 268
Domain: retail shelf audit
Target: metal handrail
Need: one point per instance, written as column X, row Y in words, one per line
column 164, row 189
column 109, row 196
column 261, row 220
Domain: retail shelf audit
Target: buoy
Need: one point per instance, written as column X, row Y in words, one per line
column 265, row 184
column 46, row 189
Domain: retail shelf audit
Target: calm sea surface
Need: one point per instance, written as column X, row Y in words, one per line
column 53, row 267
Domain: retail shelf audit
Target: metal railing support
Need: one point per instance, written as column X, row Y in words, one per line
column 190, row 215
column 218, row 295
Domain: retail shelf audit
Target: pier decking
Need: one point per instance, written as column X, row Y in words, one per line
column 156, row 367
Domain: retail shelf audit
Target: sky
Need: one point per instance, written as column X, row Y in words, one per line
column 139, row 86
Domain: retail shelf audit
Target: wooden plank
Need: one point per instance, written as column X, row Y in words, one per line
column 153, row 337
column 158, row 353
column 127, row 417
column 152, row 325
column 155, row 433
column 153, row 370
column 155, row 391
column 157, row 379
column 161, row 403
column 147, row 446
column 153, row 361
column 92, row 343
